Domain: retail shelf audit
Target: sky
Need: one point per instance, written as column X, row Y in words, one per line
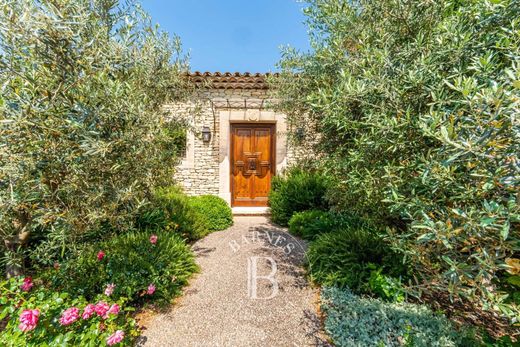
column 232, row 35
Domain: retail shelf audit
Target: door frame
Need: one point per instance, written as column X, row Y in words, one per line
column 232, row 127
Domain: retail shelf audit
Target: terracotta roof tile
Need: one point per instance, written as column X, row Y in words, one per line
column 230, row 80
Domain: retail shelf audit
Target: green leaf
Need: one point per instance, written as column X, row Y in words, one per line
column 487, row 221
column 514, row 280
column 505, row 230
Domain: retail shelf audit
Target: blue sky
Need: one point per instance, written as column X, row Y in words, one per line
column 232, row 35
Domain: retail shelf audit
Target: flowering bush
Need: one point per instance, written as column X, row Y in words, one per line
column 136, row 265
column 42, row 317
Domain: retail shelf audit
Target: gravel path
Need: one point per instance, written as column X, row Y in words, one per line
column 219, row 306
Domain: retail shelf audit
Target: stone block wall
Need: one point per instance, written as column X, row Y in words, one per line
column 199, row 172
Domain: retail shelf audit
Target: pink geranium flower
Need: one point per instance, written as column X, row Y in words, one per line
column 153, row 239
column 101, row 308
column 29, row 319
column 114, row 309
column 88, row 311
column 27, row 284
column 69, row 316
column 100, row 255
column 151, row 289
column 109, row 289
column 116, row 337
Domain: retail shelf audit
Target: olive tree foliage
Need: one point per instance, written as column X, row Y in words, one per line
column 82, row 126
column 415, row 105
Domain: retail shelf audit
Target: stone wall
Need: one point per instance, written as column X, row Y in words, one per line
column 204, row 169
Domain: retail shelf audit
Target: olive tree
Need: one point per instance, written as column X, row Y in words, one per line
column 415, row 108
column 82, row 125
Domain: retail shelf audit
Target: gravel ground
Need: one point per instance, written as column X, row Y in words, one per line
column 218, row 307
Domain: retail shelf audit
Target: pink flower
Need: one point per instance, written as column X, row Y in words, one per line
column 29, row 319
column 69, row 316
column 27, row 284
column 153, row 239
column 109, row 289
column 151, row 289
column 100, row 255
column 88, row 311
column 116, row 337
column 101, row 308
column 114, row 309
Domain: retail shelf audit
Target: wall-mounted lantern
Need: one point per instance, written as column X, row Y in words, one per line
column 299, row 134
column 206, row 134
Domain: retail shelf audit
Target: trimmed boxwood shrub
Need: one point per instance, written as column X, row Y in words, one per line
column 215, row 210
column 298, row 190
column 173, row 210
column 131, row 262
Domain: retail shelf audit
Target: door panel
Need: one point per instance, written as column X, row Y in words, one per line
column 252, row 163
column 262, row 180
column 243, row 184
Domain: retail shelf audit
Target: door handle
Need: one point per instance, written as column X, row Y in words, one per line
column 252, row 164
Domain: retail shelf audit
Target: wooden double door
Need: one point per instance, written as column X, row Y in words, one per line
column 252, row 163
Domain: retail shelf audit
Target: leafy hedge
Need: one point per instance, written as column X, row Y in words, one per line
column 215, row 209
column 295, row 191
column 132, row 262
column 415, row 104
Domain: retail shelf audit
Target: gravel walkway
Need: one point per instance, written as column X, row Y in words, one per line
column 219, row 306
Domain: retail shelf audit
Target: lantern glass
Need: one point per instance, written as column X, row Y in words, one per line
column 206, row 134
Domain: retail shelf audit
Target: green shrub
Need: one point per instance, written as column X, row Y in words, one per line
column 131, row 262
column 298, row 190
column 215, row 210
column 309, row 224
column 386, row 287
column 174, row 210
column 82, row 330
column 355, row 321
column 345, row 257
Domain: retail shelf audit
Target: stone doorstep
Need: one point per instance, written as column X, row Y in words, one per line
column 250, row 211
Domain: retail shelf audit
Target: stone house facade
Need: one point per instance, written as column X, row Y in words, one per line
column 236, row 142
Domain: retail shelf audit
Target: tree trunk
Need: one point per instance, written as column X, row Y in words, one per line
column 15, row 242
